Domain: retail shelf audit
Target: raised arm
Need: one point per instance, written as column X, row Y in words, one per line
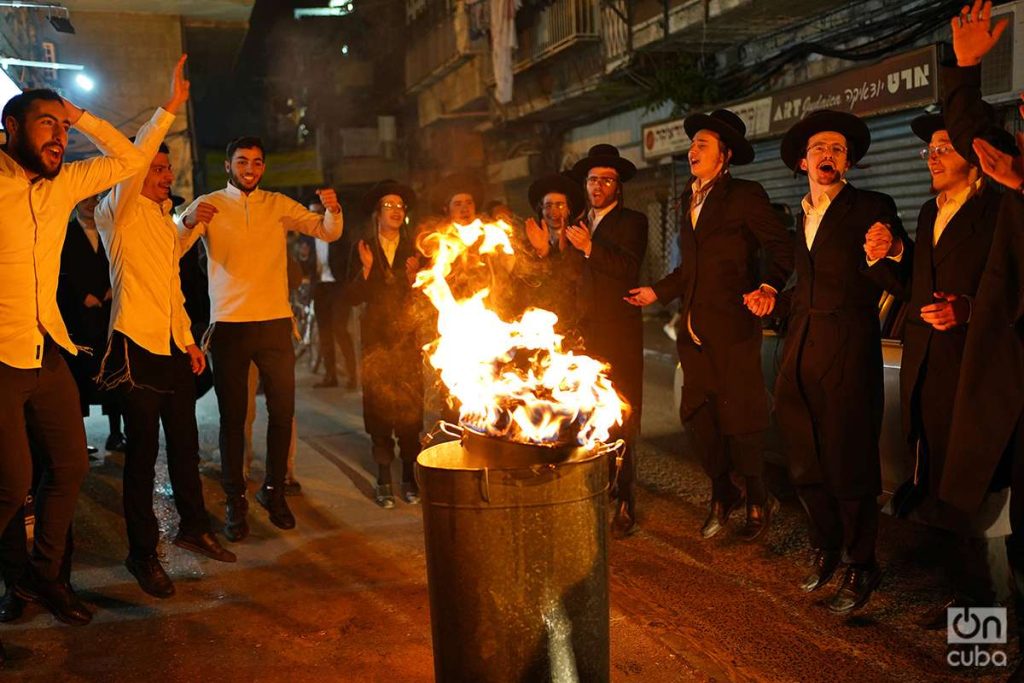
column 147, row 141
column 327, row 227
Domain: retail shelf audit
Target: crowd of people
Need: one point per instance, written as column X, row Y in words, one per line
column 112, row 277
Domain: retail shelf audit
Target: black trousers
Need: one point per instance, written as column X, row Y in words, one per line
column 847, row 525
column 148, row 403
column 14, row 557
column 268, row 344
column 43, row 401
column 332, row 315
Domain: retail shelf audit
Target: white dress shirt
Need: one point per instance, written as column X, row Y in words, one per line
column 814, row 210
column 323, row 263
column 247, row 245
column 33, row 224
column 595, row 216
column 141, row 239
column 949, row 206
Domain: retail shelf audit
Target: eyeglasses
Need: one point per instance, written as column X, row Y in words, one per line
column 941, row 150
column 393, row 205
column 820, row 148
column 603, row 181
column 547, row 206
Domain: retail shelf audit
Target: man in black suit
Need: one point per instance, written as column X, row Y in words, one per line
column 828, row 396
column 332, row 309
column 612, row 245
column 954, row 237
column 724, row 224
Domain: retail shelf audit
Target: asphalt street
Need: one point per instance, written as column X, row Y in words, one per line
column 344, row 597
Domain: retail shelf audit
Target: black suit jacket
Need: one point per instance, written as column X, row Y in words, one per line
column 719, row 263
column 985, row 432
column 612, row 328
column 833, row 351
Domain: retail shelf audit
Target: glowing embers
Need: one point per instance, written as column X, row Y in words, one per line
column 513, row 380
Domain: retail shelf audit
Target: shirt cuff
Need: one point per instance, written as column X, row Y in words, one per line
column 765, row 285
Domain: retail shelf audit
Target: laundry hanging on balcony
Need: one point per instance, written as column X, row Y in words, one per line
column 503, row 44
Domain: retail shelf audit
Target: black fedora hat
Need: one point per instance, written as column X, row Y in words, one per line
column 606, row 156
column 384, row 188
column 729, row 127
column 925, row 125
column 562, row 184
column 458, row 183
column 794, row 143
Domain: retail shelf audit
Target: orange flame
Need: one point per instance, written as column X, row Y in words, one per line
column 513, row 380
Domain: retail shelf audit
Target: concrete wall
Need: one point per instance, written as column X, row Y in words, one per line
column 130, row 57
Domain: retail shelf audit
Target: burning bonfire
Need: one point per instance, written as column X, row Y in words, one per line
column 512, row 379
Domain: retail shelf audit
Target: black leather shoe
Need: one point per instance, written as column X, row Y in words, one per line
column 55, row 596
column 116, row 442
column 236, row 527
column 11, row 606
column 759, row 518
column 624, row 522
column 823, row 566
column 855, row 590
column 410, row 493
column 383, row 496
column 326, row 382
column 151, row 576
column 275, row 504
column 718, row 515
column 205, row 544
column 935, row 618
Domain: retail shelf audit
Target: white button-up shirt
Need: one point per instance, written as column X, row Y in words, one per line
column 323, row 261
column 141, row 239
column 949, row 206
column 247, row 245
column 33, row 223
column 815, row 208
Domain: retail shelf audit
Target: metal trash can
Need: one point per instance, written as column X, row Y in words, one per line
column 517, row 560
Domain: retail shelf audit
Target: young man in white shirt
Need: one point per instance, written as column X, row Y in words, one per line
column 37, row 392
column 152, row 356
column 245, row 230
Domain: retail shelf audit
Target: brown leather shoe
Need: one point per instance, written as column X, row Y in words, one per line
column 718, row 515
column 624, row 522
column 858, row 584
column 236, row 527
column 759, row 518
column 56, row 596
column 205, row 544
column 823, row 566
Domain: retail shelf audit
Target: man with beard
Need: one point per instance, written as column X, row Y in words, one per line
column 954, row 236
column 152, row 356
column 828, row 397
column 392, row 366
column 613, row 243
column 39, row 395
column 245, row 230
column 727, row 222
column 559, row 201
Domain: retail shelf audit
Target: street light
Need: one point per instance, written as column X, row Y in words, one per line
column 61, row 24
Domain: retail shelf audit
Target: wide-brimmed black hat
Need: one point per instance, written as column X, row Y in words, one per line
column 562, row 184
column 925, row 125
column 606, row 156
column 794, row 144
column 458, row 183
column 384, row 188
column 729, row 127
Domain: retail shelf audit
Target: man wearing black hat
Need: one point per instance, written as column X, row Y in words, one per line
column 828, row 396
column 459, row 197
column 725, row 223
column 613, row 243
column 391, row 360
column 559, row 201
column 954, row 236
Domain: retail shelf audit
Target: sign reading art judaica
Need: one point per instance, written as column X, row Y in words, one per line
column 902, row 82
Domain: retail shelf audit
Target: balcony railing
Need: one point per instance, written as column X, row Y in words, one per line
column 559, row 25
column 435, row 52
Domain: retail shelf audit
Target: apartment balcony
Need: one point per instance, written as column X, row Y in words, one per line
column 436, row 50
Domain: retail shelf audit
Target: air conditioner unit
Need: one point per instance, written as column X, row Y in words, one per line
column 1002, row 71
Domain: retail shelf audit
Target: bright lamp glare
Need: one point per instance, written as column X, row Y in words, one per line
column 84, row 82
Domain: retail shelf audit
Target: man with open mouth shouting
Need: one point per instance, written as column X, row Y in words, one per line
column 829, row 390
